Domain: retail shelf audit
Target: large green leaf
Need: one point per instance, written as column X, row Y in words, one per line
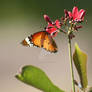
column 80, row 61
column 37, row 78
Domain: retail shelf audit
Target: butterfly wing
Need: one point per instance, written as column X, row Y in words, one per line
column 49, row 44
column 41, row 39
column 38, row 38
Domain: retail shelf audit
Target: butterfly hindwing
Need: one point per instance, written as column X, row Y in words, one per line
column 49, row 44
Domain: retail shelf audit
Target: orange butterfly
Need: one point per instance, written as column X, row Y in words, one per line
column 41, row 39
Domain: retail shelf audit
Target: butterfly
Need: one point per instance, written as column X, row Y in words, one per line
column 41, row 39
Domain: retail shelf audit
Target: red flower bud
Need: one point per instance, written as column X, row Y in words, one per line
column 77, row 27
column 47, row 19
column 66, row 13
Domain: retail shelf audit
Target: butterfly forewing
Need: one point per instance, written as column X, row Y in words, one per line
column 36, row 39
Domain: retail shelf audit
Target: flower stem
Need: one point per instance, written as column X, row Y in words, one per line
column 71, row 64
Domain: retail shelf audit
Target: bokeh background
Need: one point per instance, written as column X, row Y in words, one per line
column 20, row 18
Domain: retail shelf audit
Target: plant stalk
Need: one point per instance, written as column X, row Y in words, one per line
column 71, row 64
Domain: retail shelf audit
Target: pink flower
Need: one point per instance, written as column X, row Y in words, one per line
column 52, row 26
column 76, row 15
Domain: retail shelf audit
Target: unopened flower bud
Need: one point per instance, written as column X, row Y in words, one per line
column 66, row 13
column 77, row 27
column 47, row 19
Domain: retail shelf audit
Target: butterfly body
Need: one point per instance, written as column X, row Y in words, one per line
column 41, row 39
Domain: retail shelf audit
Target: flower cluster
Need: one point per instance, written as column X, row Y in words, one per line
column 52, row 26
column 73, row 18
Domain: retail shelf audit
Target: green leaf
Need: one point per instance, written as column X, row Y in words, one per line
column 37, row 78
column 80, row 61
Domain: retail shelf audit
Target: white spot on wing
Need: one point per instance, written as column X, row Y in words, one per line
column 28, row 42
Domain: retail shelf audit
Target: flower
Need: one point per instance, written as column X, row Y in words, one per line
column 76, row 15
column 52, row 26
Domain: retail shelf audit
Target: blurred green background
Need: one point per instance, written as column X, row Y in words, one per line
column 20, row 18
